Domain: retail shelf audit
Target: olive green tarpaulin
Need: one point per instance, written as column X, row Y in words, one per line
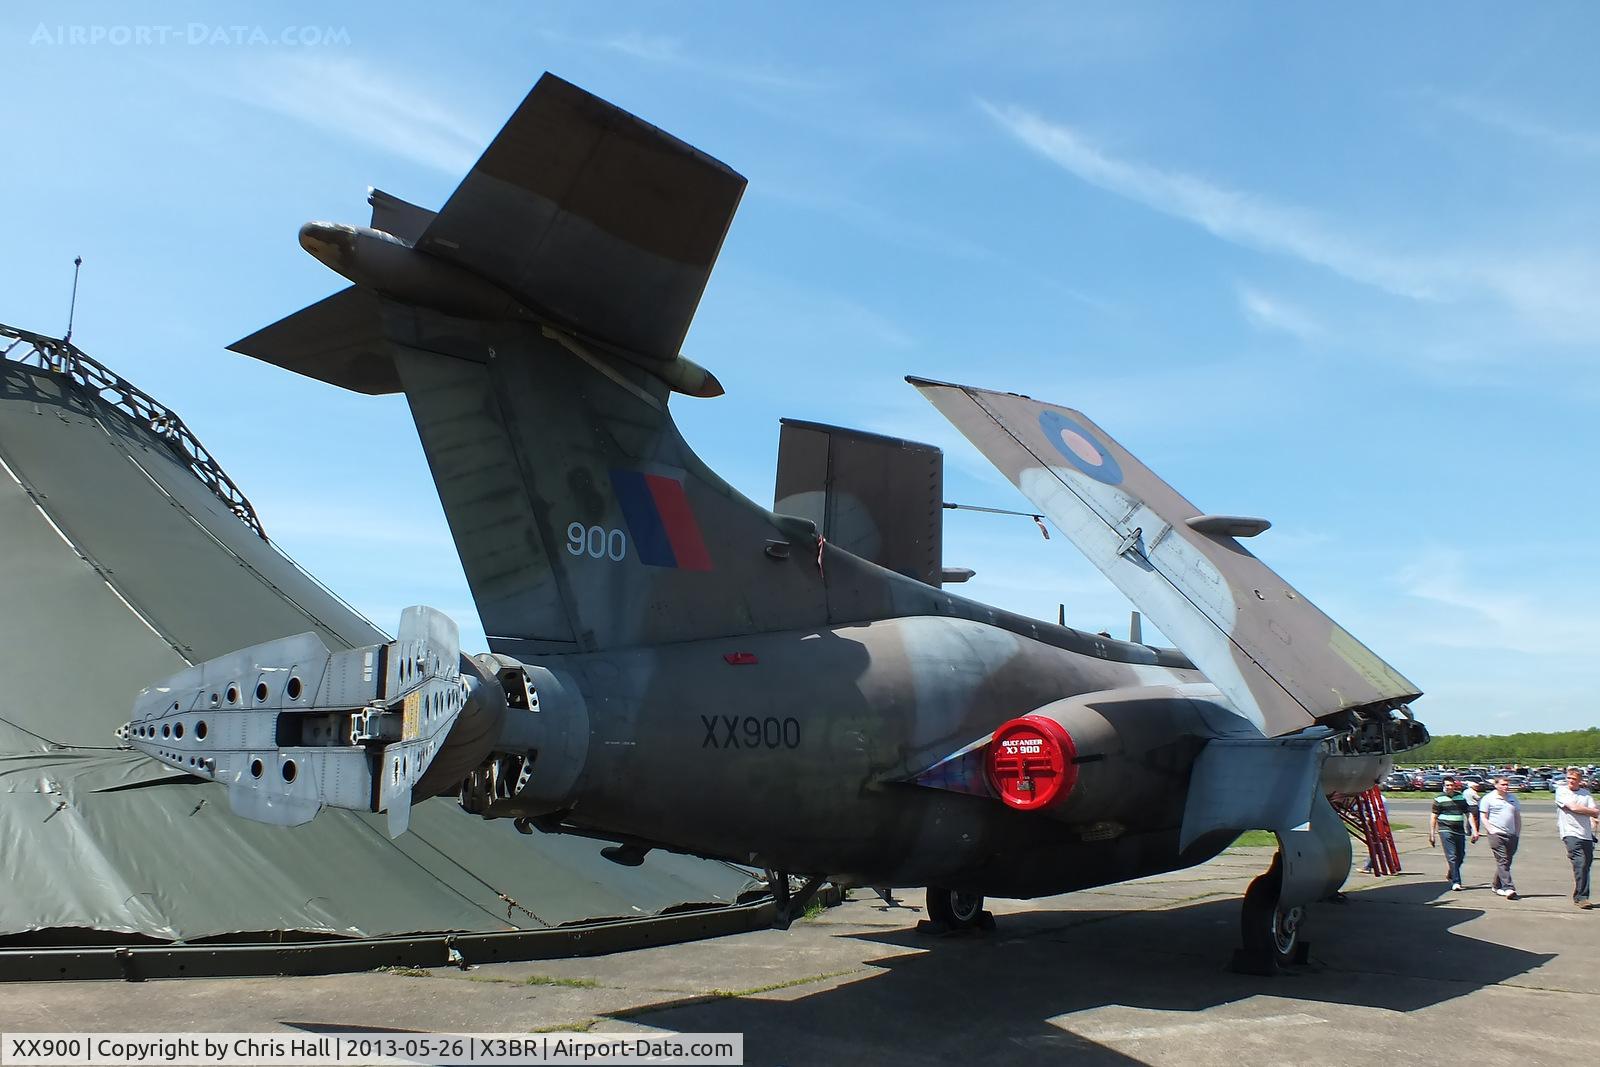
column 117, row 566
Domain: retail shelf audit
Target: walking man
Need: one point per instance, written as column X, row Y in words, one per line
column 1449, row 823
column 1575, row 817
column 1500, row 816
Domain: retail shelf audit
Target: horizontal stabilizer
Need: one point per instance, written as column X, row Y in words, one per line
column 338, row 340
column 1276, row 657
column 592, row 217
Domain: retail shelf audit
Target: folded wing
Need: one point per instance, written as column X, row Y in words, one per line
column 1275, row 656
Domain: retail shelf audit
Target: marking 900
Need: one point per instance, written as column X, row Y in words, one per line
column 596, row 542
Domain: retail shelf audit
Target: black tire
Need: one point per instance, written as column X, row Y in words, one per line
column 1270, row 933
column 954, row 909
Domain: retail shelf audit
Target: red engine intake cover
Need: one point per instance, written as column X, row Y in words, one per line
column 1030, row 762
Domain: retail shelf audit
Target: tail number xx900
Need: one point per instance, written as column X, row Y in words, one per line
column 747, row 731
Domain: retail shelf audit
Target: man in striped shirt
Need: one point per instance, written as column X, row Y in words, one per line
column 1450, row 822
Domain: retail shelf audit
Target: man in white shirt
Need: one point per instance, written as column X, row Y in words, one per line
column 1575, row 819
column 1500, row 816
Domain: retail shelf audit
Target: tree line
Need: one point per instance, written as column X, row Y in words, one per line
column 1568, row 746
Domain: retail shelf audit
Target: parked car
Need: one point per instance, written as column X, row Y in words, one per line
column 1396, row 780
column 1433, row 781
column 1534, row 783
column 1518, row 783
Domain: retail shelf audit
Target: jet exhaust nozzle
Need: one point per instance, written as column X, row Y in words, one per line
column 1031, row 763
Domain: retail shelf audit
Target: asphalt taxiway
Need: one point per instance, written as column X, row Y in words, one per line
column 1406, row 971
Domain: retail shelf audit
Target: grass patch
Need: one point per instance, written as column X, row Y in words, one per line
column 406, row 972
column 566, row 1028
column 1268, row 839
column 790, row 984
column 569, row 983
column 814, row 908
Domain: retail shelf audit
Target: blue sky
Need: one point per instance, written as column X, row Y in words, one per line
column 1338, row 268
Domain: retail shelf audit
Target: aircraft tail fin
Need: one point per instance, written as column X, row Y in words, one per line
column 1280, row 661
column 582, row 517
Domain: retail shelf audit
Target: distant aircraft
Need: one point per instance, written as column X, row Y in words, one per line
column 673, row 666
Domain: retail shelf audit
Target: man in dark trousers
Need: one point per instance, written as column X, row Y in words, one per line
column 1575, row 819
column 1450, row 823
column 1500, row 817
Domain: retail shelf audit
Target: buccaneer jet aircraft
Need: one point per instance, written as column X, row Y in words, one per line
column 672, row 666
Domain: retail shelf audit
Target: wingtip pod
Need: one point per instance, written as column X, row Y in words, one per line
column 1227, row 525
column 1276, row 657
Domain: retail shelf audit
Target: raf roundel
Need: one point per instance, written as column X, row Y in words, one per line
column 1080, row 447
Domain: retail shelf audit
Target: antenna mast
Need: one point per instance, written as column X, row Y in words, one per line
column 72, row 308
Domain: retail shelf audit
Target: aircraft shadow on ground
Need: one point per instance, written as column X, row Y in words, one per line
column 973, row 998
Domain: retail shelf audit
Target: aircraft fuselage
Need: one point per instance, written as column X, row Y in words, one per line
column 796, row 750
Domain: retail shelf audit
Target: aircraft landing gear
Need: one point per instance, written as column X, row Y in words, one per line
column 790, row 905
column 950, row 910
column 1270, row 931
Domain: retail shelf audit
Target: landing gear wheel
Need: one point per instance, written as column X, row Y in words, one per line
column 955, row 910
column 1271, row 933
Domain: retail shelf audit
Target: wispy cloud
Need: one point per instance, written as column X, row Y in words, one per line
column 1519, row 123
column 669, row 51
column 1479, row 614
column 812, row 319
column 1230, row 214
column 1552, row 291
column 907, row 233
column 1274, row 313
column 359, row 101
